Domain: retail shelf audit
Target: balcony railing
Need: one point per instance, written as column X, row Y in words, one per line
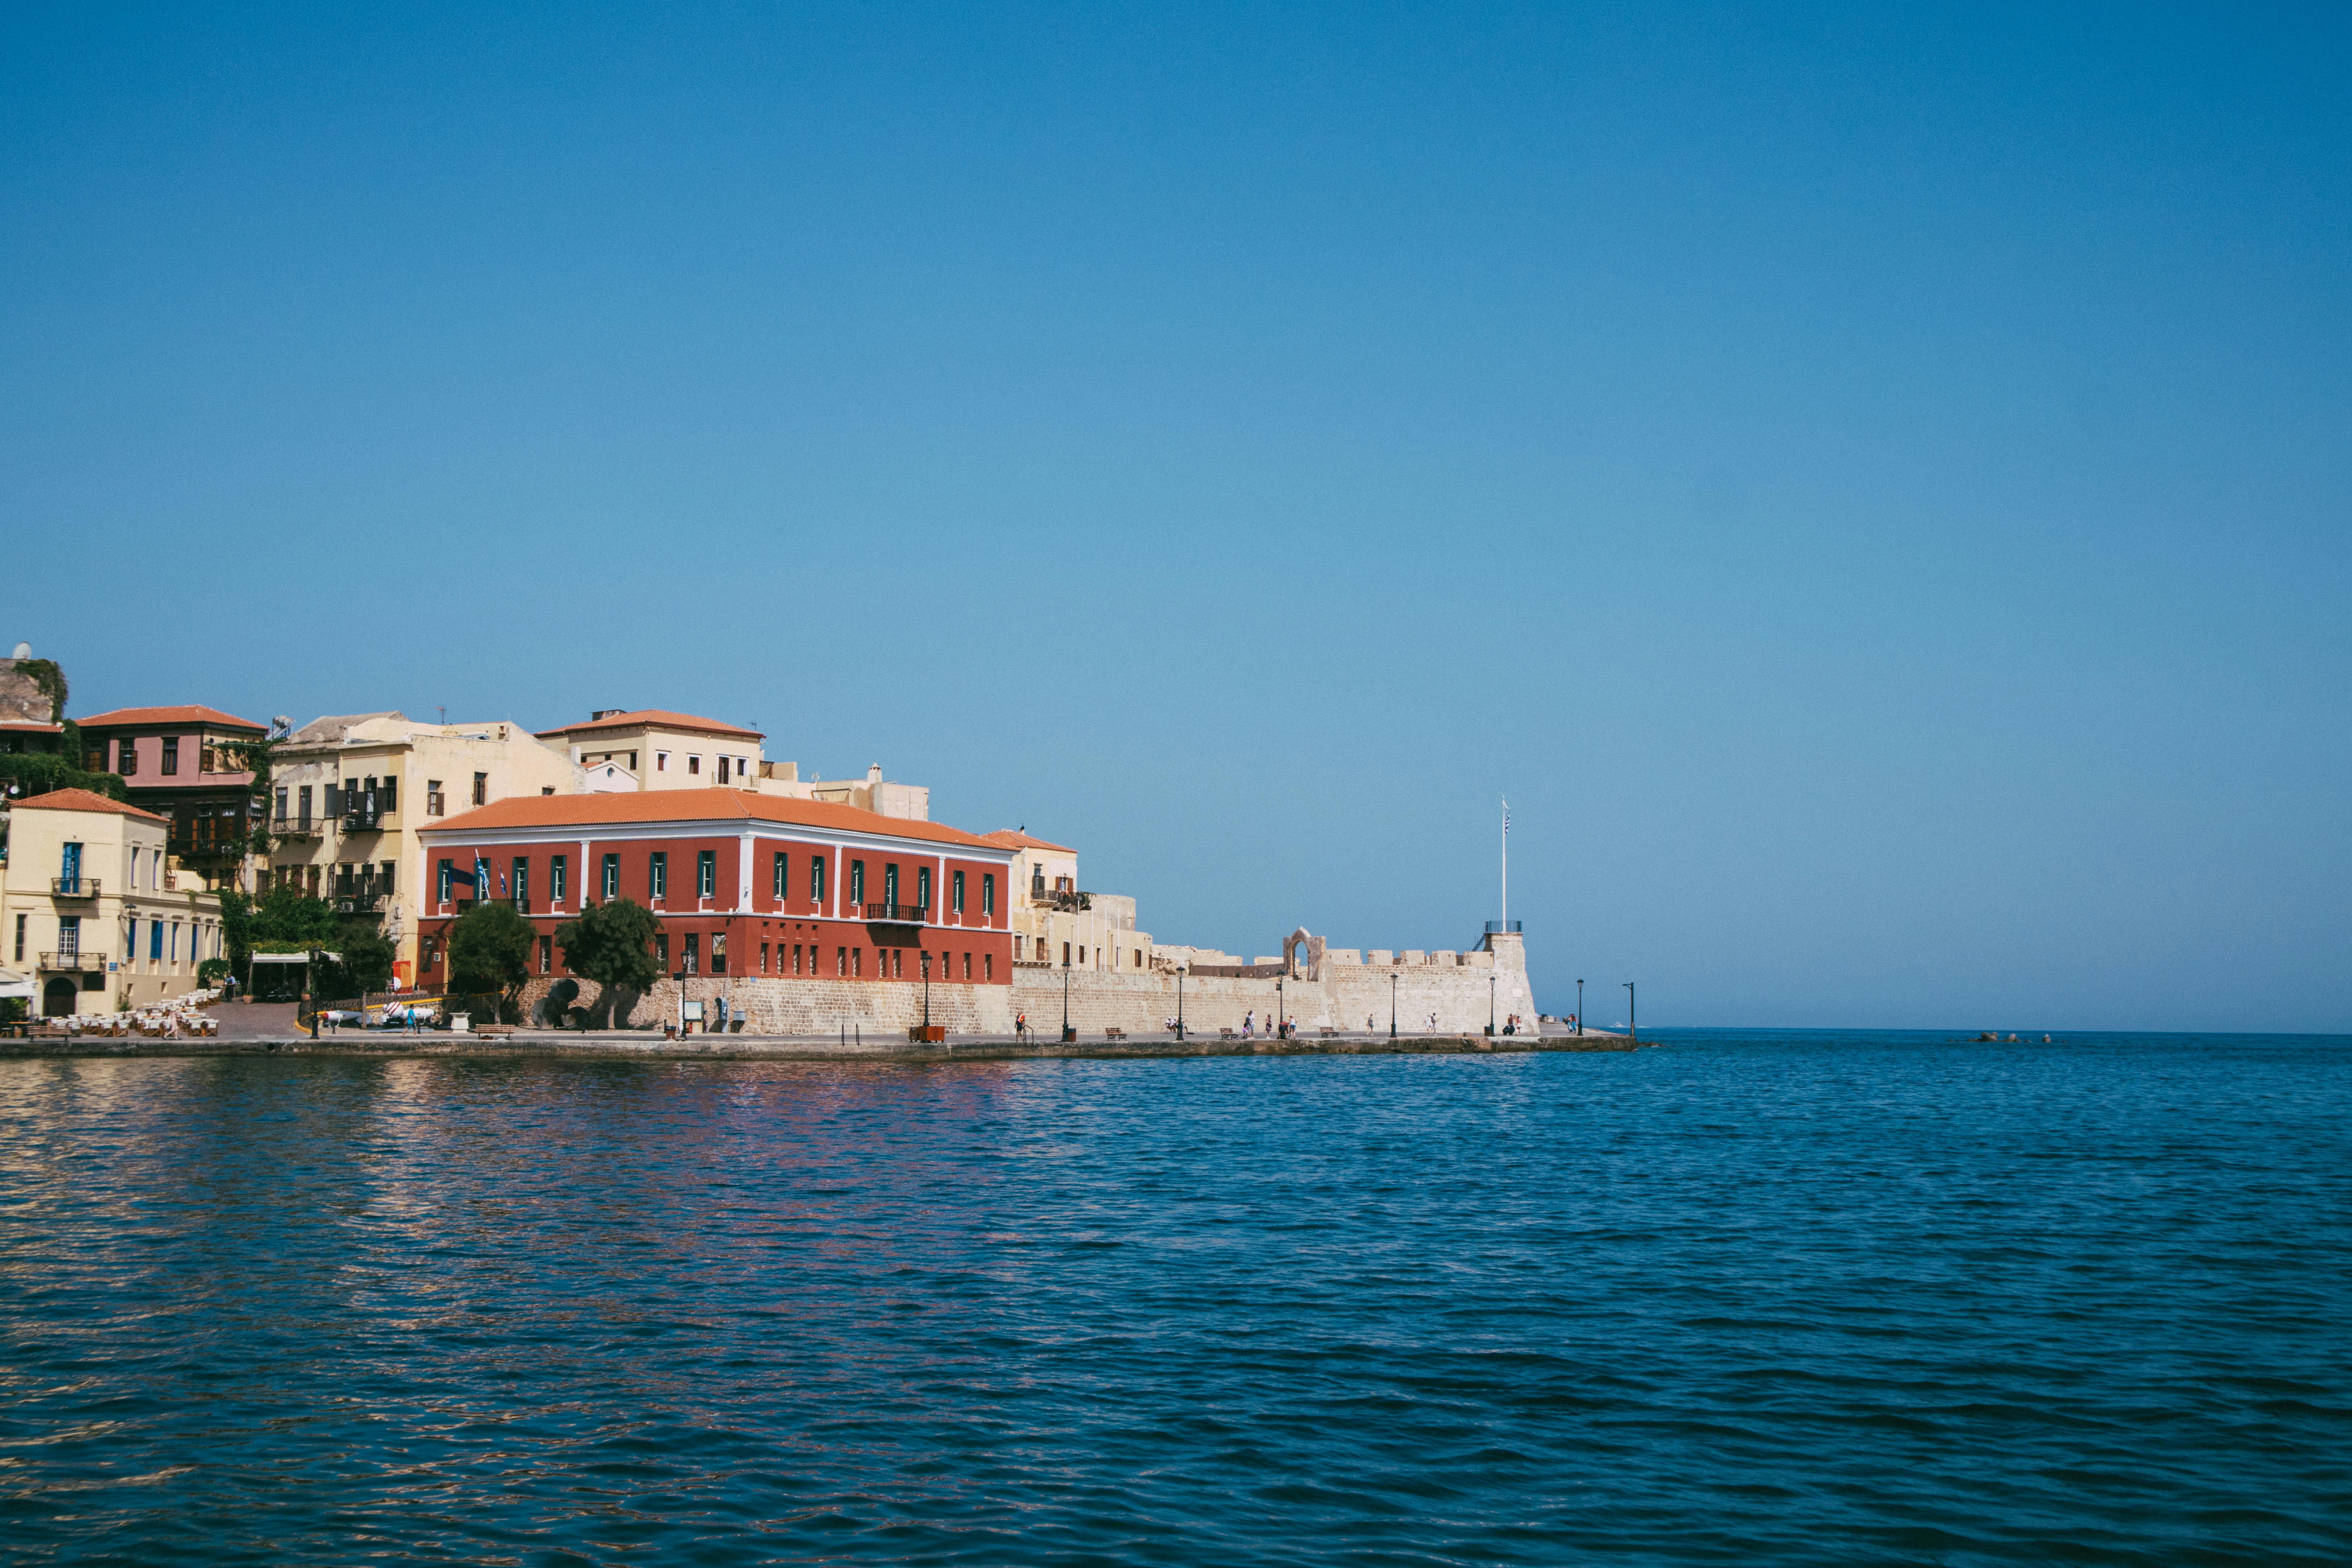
column 899, row 914
column 359, row 903
column 215, row 848
column 364, row 821
column 69, row 962
column 295, row 828
column 73, row 886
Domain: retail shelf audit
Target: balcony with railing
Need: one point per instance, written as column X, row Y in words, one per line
column 297, row 826
column 359, row 903
column 201, row 846
column 896, row 915
column 73, row 886
column 74, row 962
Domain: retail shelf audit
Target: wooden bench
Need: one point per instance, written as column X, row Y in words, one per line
column 1330, row 1034
column 1114, row 1034
column 1224, row 1033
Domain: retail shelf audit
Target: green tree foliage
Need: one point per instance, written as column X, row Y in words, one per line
column 489, row 951
column 283, row 921
column 285, row 916
column 612, row 944
column 51, row 678
column 367, row 959
column 237, row 927
column 25, row 774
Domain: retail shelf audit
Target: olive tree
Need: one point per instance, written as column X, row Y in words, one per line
column 489, row 951
column 612, row 944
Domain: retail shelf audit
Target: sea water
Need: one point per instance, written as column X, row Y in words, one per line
column 1741, row 1299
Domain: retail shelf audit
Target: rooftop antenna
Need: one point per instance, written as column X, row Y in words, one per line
column 442, row 708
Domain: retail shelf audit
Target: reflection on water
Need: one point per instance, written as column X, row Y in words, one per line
column 1742, row 1300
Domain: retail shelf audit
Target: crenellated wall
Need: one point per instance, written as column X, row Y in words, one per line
column 1328, row 992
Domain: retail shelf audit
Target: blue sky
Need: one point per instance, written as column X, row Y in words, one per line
column 1870, row 487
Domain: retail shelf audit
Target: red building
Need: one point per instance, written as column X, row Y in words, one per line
column 746, row 887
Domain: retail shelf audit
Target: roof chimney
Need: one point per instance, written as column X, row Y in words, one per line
column 874, row 772
column 596, row 713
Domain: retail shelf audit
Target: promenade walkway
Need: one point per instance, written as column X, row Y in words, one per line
column 248, row 1027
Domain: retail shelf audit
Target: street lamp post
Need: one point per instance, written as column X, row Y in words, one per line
column 1490, row 1006
column 926, row 995
column 1393, row 1005
column 1068, row 1034
column 1632, row 1019
column 1579, row 1006
column 1278, row 1007
column 1179, row 1002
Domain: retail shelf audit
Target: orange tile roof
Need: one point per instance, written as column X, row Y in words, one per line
column 698, row 805
column 186, row 713
column 1013, row 839
column 655, row 717
column 83, row 800
column 30, row 727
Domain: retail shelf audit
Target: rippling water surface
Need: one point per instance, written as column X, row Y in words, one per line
column 1744, row 1299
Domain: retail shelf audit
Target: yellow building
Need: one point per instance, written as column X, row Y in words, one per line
column 655, row 748
column 93, row 908
column 1057, row 923
column 348, row 794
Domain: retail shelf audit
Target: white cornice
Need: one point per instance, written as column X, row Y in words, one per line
column 716, row 827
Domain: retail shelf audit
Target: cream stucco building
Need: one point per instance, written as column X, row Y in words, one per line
column 348, row 793
column 94, row 908
column 1057, row 923
column 655, row 748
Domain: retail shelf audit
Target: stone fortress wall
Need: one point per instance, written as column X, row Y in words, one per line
column 1318, row 988
column 770, row 1005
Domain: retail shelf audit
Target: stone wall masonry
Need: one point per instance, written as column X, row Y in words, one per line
column 1337, row 995
column 790, row 1006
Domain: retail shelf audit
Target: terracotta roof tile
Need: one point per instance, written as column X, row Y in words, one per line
column 83, row 800
column 1013, row 839
column 698, row 805
column 186, row 713
column 657, row 718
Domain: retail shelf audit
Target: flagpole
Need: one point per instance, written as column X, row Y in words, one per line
column 1506, row 863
